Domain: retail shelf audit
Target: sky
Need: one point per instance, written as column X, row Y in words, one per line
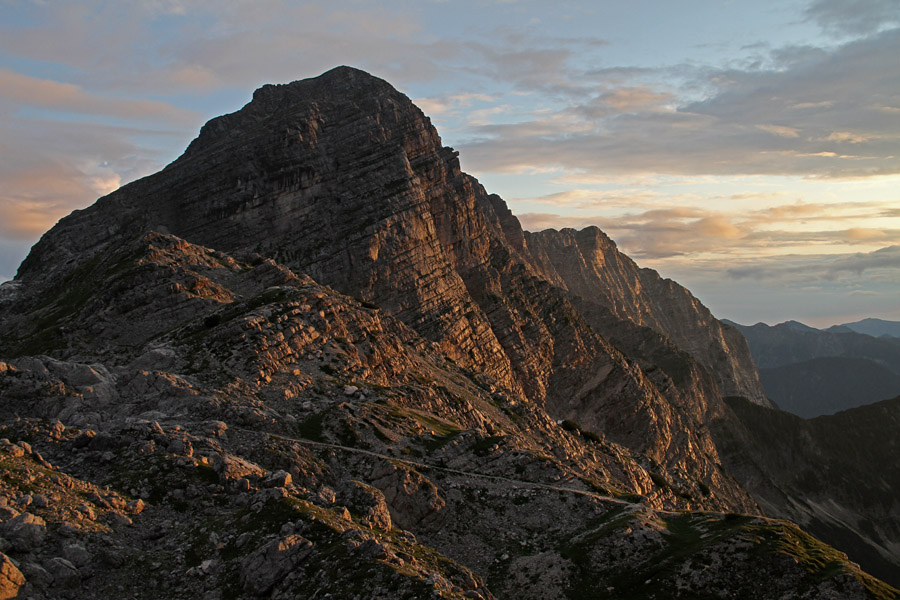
column 748, row 150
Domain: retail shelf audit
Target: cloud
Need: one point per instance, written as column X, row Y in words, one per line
column 685, row 230
column 652, row 233
column 452, row 103
column 822, row 268
column 623, row 197
column 814, row 113
column 55, row 167
column 818, row 289
column 780, row 130
column 849, row 137
column 885, row 258
column 854, row 17
column 867, row 233
column 626, row 99
column 35, row 198
column 192, row 47
column 821, row 211
column 44, row 93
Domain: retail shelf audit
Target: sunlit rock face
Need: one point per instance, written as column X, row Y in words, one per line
column 589, row 265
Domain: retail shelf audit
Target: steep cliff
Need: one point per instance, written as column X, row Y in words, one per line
column 589, row 265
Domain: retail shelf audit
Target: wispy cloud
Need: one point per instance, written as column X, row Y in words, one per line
column 24, row 90
column 55, row 167
column 824, row 268
column 452, row 103
column 654, row 233
column 854, row 17
column 816, row 113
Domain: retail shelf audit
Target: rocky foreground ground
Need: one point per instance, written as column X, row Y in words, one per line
column 294, row 442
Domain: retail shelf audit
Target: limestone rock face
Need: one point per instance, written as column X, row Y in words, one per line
column 343, row 178
column 589, row 265
column 340, row 177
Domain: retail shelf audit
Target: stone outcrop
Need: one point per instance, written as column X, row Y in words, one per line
column 269, row 564
column 11, row 578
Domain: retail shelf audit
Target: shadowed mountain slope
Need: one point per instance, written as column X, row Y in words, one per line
column 811, row 372
column 835, row 475
column 824, row 386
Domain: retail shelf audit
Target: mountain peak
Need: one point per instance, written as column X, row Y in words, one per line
column 339, row 95
column 796, row 325
column 340, row 79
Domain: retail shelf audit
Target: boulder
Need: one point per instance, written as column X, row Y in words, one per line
column 65, row 574
column 77, row 554
column 25, row 532
column 229, row 466
column 11, row 578
column 36, row 575
column 269, row 564
column 278, row 479
column 368, row 501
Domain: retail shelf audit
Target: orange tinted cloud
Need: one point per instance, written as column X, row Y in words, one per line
column 780, row 130
column 55, row 95
column 864, row 233
column 719, row 227
column 32, row 200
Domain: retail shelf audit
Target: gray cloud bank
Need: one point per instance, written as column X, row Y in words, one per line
column 883, row 264
column 812, row 112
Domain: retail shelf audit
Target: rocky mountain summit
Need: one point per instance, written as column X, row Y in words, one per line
column 313, row 358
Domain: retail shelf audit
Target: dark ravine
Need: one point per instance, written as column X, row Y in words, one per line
column 317, row 267
column 836, row 475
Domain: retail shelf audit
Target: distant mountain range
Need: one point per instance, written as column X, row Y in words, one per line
column 873, row 327
column 812, row 372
